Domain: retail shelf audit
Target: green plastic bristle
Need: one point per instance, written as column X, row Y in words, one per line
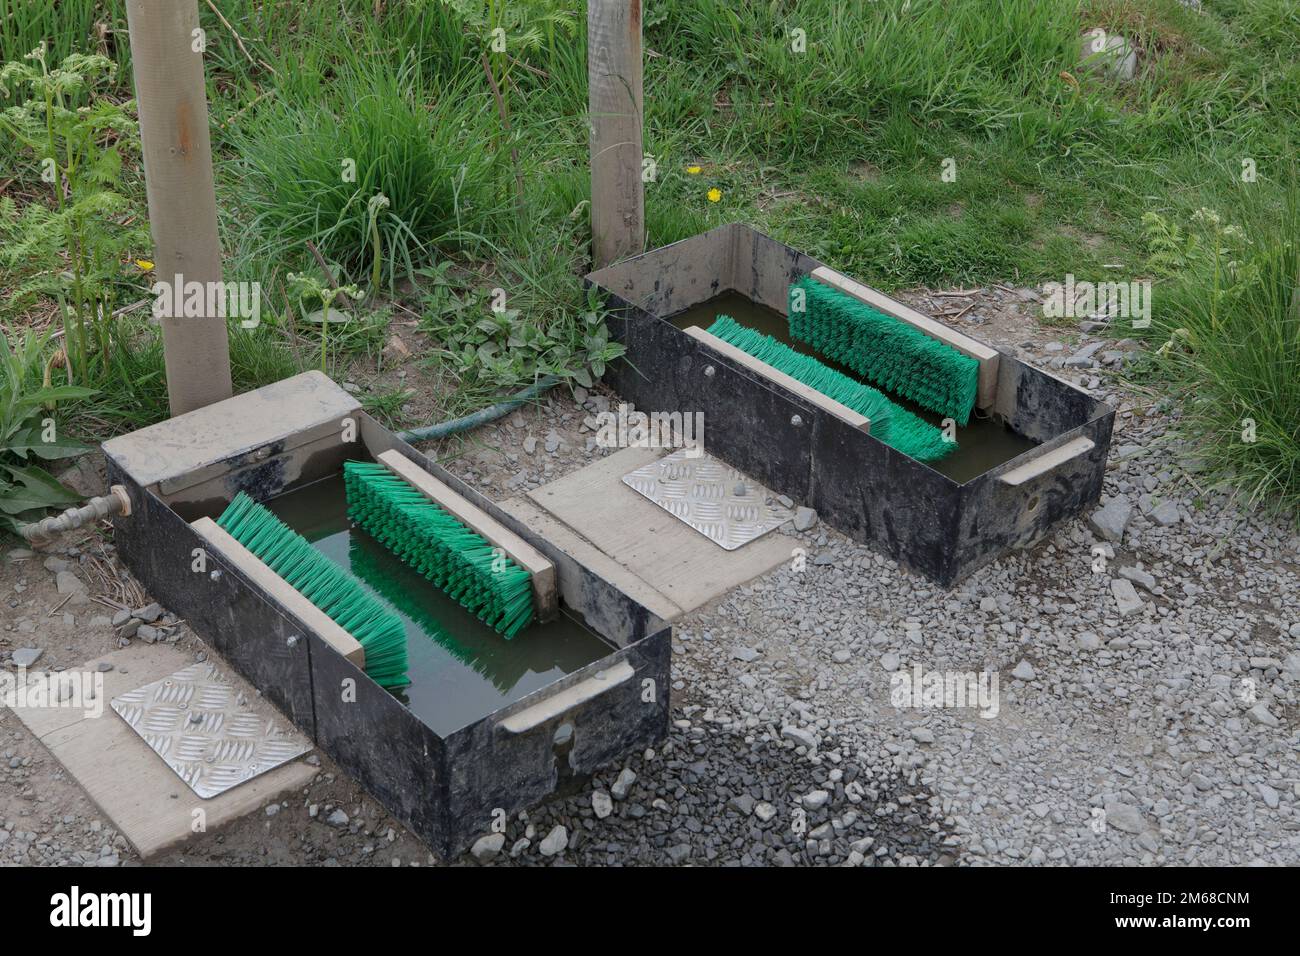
column 885, row 351
column 890, row 423
column 484, row 661
column 461, row 562
column 379, row 631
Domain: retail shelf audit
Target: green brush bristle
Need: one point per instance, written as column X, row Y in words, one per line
column 895, row 426
column 461, row 562
column 884, row 350
column 379, row 631
column 368, row 567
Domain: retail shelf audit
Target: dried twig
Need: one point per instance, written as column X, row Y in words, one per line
column 240, row 40
column 324, row 266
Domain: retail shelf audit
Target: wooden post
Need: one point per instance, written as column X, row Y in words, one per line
column 615, row 106
column 182, row 199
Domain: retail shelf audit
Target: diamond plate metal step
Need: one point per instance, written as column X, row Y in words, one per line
column 701, row 491
column 206, row 731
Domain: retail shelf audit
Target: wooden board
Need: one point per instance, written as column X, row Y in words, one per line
column 676, row 560
column 1045, row 462
column 558, row 533
column 131, row 785
column 788, row 382
column 984, row 354
column 220, row 541
column 519, row 550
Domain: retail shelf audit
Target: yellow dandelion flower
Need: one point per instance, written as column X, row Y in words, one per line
column 694, row 170
column 144, row 265
column 715, row 195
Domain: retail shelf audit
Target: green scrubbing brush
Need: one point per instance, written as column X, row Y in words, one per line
column 895, row 426
column 372, row 563
column 379, row 631
column 885, row 351
column 458, row 560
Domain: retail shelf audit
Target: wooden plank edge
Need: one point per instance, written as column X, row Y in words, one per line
column 540, row 569
column 1046, row 461
column 261, row 574
column 775, row 375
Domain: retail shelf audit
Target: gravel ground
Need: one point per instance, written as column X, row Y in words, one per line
column 1147, row 661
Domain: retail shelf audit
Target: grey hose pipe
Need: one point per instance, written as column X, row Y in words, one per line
column 482, row 416
column 116, row 502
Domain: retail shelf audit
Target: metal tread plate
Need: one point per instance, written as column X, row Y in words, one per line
column 701, row 491
column 205, row 730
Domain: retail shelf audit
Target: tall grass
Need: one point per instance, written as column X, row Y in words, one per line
column 309, row 165
column 1231, row 325
column 66, row 26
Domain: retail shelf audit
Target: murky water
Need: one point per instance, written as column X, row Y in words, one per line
column 460, row 669
column 981, row 445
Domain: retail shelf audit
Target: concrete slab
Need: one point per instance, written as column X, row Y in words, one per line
column 305, row 407
column 147, row 802
column 678, row 562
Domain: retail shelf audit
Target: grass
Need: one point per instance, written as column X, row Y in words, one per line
column 1225, row 341
column 307, row 169
column 839, row 150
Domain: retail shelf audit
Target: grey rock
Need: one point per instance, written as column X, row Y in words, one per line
column 601, row 804
column 530, row 445
column 623, row 783
column 743, row 803
column 68, row 583
column 815, row 799
column 1165, row 514
column 1271, row 796
column 1123, row 816
column 1083, row 357
column 486, row 848
column 26, row 656
column 1110, row 520
column 555, row 842
column 764, row 811
column 1260, row 714
column 337, row 818
column 1139, row 577
column 1126, row 597
column 1088, row 641
column 1107, row 53
column 801, row 737
column 148, row 633
column 804, row 518
column 1024, row 671
column 149, row 613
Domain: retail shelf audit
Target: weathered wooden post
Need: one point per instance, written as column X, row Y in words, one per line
column 615, row 106
column 167, row 52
